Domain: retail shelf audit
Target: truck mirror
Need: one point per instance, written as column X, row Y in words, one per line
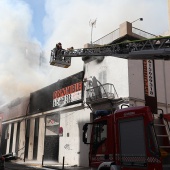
column 85, row 127
column 85, row 136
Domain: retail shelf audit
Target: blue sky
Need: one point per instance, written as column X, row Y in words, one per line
column 38, row 9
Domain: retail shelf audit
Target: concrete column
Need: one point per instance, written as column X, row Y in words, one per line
column 31, row 139
column 22, row 140
column 8, row 140
column 14, row 137
column 41, row 139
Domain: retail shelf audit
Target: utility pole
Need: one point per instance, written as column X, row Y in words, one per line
column 92, row 23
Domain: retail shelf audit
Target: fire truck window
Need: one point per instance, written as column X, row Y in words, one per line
column 99, row 134
column 132, row 140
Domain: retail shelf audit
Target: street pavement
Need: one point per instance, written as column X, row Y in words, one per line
column 16, row 166
column 20, row 165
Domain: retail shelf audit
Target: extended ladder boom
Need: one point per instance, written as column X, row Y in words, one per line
column 156, row 48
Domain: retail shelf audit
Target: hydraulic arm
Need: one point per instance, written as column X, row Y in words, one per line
column 156, row 48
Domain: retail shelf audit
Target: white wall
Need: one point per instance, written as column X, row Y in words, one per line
column 163, row 84
column 136, row 82
column 117, row 73
column 160, row 84
column 136, row 85
column 72, row 147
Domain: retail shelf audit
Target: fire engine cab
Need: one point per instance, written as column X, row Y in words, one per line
column 129, row 138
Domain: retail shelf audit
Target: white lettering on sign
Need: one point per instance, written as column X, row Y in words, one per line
column 150, row 76
column 145, row 73
column 67, row 95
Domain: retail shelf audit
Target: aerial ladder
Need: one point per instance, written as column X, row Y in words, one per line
column 155, row 48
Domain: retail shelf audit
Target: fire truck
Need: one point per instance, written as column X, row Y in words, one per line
column 130, row 138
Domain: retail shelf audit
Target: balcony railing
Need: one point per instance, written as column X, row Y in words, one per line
column 115, row 35
column 105, row 91
column 143, row 33
column 108, row 38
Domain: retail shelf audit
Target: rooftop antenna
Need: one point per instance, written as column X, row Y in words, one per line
column 92, row 23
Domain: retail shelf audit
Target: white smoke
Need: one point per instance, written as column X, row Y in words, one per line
column 19, row 55
column 66, row 21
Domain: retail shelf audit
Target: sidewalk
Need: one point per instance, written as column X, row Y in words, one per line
column 50, row 165
column 28, row 163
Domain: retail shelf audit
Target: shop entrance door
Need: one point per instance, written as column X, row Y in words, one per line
column 5, row 136
column 51, row 144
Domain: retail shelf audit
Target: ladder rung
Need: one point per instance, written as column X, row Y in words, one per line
column 159, row 125
column 164, row 146
column 162, row 135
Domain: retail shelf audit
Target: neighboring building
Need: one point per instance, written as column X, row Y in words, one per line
column 48, row 124
column 128, row 76
column 61, row 115
column 13, row 129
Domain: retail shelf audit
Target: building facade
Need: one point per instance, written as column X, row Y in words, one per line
column 47, row 125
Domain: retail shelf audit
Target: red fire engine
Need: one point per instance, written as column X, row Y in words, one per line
column 130, row 138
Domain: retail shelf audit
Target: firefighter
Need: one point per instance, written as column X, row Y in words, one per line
column 70, row 49
column 58, row 49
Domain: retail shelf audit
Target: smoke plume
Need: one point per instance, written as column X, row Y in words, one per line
column 19, row 53
column 66, row 21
